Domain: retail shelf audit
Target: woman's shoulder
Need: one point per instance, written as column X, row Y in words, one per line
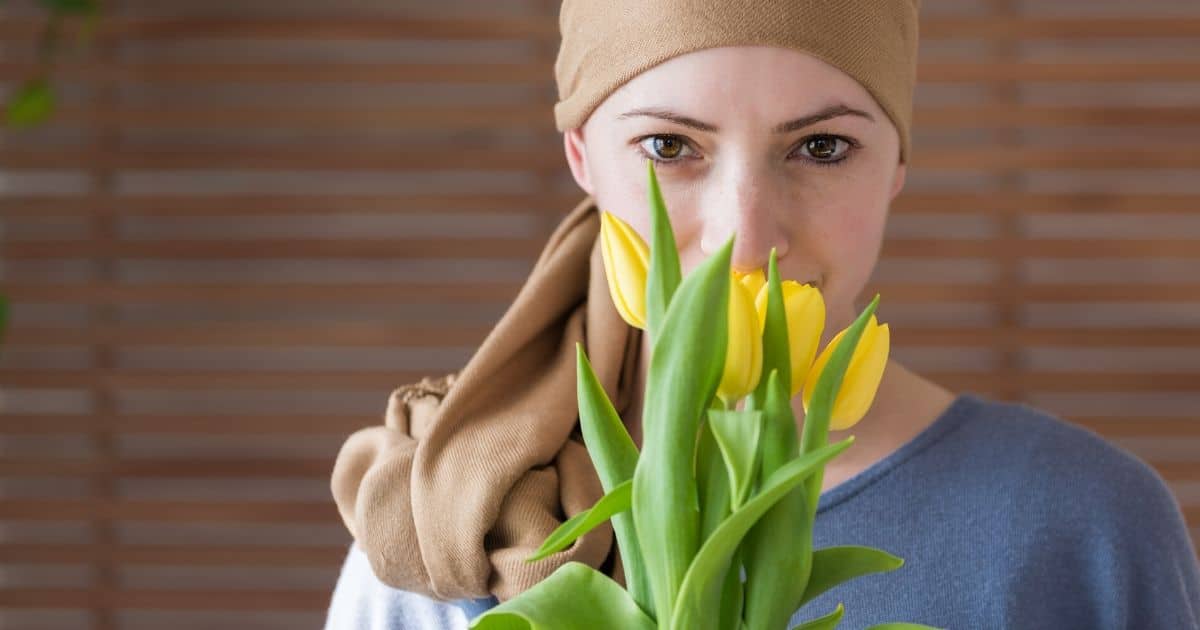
column 1052, row 459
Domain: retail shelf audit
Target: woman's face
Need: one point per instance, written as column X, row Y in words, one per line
column 736, row 155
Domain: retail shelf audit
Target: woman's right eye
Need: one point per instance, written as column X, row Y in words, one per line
column 663, row 148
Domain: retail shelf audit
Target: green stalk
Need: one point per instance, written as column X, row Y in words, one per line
column 816, row 420
column 686, row 363
column 615, row 457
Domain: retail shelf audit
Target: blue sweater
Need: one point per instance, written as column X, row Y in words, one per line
column 1006, row 517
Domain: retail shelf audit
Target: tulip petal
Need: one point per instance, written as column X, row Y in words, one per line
column 862, row 378
column 625, row 262
column 743, row 355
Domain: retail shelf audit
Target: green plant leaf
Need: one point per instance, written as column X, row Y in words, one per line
column 833, row 565
column 574, row 597
column 899, row 625
column 686, row 362
column 71, row 6
column 712, row 481
column 612, row 503
column 733, row 597
column 828, row 622
column 781, row 542
column 737, row 434
column 776, row 348
column 31, row 105
column 664, row 275
column 697, row 600
column 615, row 457
column 820, row 404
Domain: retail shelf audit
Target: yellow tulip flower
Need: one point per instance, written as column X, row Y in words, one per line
column 862, row 377
column 626, row 263
column 805, row 308
column 753, row 280
column 743, row 354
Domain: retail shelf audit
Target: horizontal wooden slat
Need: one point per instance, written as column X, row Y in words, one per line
column 14, row 206
column 306, row 157
column 175, row 555
column 1141, row 426
column 377, row 380
column 542, row 73
column 336, row 158
column 257, row 600
column 244, row 205
column 529, row 248
column 995, row 115
column 321, row 380
column 370, row 335
column 545, row 28
column 167, row 468
column 246, row 294
column 536, row 118
column 398, row 118
column 325, row 27
column 169, row 511
column 1178, row 471
column 259, row 249
column 264, row 73
column 287, row 425
column 355, row 334
column 233, row 295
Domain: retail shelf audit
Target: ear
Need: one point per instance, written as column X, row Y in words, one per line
column 576, row 150
column 898, row 179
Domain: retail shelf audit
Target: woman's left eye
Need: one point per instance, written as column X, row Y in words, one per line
column 823, row 150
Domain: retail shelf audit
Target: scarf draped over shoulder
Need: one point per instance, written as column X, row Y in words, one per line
column 471, row 471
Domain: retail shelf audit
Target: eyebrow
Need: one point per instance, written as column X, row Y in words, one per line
column 833, row 111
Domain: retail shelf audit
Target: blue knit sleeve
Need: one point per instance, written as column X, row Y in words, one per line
column 1145, row 569
column 361, row 602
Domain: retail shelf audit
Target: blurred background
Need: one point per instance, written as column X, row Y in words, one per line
column 230, row 229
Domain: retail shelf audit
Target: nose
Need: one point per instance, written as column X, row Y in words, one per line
column 743, row 205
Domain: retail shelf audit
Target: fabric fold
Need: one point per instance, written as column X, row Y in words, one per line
column 472, row 470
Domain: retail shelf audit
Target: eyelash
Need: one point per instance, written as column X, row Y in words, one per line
column 851, row 143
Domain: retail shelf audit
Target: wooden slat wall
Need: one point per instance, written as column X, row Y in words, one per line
column 249, row 222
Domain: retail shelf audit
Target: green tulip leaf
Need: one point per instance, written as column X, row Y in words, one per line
column 31, row 105
column 686, row 362
column 574, row 597
column 612, row 503
column 781, row 542
column 776, row 346
column 615, row 458
column 664, row 275
column 737, row 434
column 697, row 600
column 833, row 565
column 733, row 595
column 713, row 482
column 828, row 622
column 816, row 419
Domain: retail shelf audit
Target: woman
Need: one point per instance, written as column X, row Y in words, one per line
column 786, row 123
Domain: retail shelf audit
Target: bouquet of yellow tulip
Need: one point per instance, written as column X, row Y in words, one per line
column 714, row 516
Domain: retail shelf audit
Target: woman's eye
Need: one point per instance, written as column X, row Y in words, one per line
column 824, row 148
column 663, row 148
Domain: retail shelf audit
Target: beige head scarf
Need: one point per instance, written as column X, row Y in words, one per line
column 471, row 471
column 605, row 43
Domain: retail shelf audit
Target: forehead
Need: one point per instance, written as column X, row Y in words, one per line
column 739, row 82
